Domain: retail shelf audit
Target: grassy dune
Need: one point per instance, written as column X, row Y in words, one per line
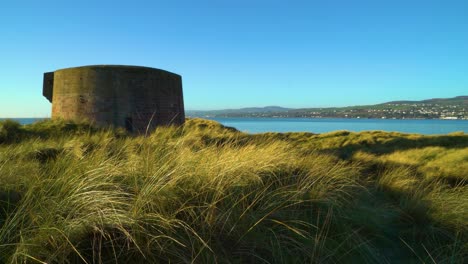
column 205, row 193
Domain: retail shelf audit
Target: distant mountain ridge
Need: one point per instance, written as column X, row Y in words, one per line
column 266, row 109
column 461, row 99
column 445, row 108
column 259, row 109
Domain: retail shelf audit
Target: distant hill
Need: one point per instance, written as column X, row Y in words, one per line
column 266, row 109
column 445, row 108
column 455, row 100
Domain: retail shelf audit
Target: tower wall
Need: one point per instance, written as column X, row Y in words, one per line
column 136, row 98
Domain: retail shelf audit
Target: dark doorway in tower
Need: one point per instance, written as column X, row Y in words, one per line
column 129, row 124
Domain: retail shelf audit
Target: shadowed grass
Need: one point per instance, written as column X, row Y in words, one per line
column 70, row 193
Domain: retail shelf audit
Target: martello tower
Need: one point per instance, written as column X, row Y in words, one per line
column 136, row 98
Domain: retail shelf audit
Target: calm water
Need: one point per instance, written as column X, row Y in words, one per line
column 322, row 125
column 24, row 121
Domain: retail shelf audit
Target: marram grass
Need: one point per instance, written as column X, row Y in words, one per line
column 204, row 193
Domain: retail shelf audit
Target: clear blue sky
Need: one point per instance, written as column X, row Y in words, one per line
column 243, row 53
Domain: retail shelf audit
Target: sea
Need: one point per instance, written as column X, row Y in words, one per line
column 24, row 121
column 323, row 125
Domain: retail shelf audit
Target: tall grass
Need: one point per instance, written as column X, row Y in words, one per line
column 203, row 193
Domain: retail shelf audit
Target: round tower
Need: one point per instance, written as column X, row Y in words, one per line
column 136, row 98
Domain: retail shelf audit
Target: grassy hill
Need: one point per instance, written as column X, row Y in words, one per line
column 204, row 193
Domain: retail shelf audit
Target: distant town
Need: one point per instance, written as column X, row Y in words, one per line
column 449, row 108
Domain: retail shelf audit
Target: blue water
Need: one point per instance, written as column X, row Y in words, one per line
column 322, row 125
column 24, row 121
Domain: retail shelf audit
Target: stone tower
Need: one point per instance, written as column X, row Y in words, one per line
column 132, row 97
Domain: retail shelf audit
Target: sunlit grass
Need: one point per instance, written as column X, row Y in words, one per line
column 204, row 193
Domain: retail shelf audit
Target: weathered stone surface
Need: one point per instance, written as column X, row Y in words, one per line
column 136, row 98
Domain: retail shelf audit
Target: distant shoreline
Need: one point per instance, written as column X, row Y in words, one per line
column 352, row 118
column 455, row 108
column 259, row 117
